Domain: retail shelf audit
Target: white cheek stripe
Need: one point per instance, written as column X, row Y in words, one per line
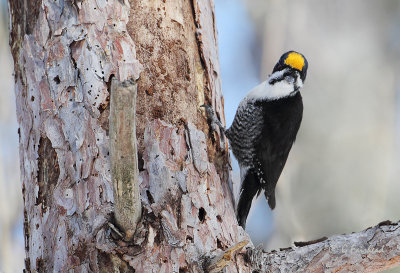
column 275, row 91
column 299, row 82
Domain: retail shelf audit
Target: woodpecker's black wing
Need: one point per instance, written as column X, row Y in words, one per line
column 269, row 136
column 282, row 120
column 244, row 133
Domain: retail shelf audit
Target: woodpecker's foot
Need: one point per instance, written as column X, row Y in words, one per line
column 213, row 118
column 209, row 110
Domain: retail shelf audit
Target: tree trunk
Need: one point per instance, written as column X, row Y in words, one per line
column 66, row 55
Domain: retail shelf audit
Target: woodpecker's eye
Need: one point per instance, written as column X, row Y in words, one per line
column 278, row 67
column 289, row 79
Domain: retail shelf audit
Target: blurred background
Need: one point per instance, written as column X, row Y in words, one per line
column 12, row 252
column 342, row 174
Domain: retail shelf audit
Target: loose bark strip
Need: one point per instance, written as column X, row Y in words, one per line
column 123, row 152
column 219, row 262
column 372, row 250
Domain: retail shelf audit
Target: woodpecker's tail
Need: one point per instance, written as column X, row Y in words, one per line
column 250, row 187
column 271, row 198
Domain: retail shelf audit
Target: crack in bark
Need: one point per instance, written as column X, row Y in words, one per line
column 200, row 47
column 300, row 244
column 48, row 172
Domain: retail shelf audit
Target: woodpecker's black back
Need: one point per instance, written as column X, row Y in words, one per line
column 262, row 144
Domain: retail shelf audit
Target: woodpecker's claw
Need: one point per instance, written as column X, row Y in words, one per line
column 208, row 109
column 213, row 118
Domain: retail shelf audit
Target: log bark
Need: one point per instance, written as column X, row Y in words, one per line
column 372, row 250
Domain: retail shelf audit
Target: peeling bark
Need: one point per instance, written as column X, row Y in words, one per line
column 219, row 262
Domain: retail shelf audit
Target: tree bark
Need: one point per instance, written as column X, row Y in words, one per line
column 66, row 55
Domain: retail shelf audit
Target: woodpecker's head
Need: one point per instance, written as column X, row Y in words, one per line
column 287, row 77
column 285, row 81
column 293, row 61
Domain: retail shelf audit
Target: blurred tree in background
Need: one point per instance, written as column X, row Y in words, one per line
column 11, row 241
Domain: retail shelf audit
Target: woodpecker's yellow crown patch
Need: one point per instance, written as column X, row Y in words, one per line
column 295, row 60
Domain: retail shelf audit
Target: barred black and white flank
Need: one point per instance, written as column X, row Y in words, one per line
column 264, row 129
